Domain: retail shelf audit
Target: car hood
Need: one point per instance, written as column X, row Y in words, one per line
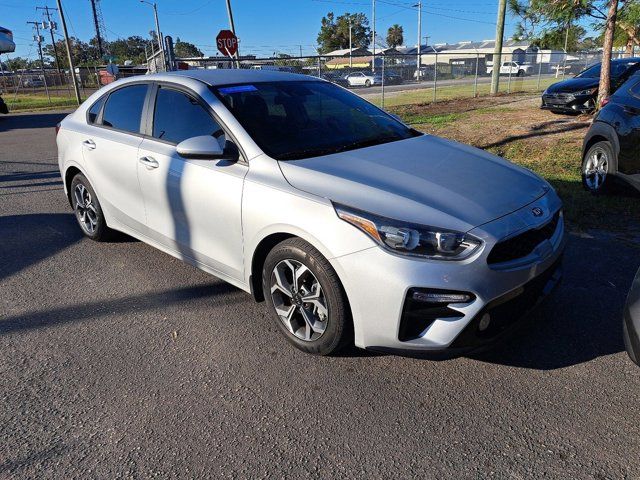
column 425, row 179
column 573, row 85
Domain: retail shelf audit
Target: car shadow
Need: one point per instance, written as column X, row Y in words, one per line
column 28, row 239
column 30, row 120
column 582, row 319
column 229, row 295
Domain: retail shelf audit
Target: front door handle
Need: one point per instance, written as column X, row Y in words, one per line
column 149, row 162
column 89, row 144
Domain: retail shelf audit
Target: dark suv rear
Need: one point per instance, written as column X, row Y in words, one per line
column 612, row 145
column 578, row 94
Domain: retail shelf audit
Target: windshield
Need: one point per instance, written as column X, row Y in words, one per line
column 301, row 119
column 617, row 69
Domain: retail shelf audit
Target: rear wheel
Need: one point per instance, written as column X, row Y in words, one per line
column 598, row 166
column 309, row 304
column 520, row 73
column 88, row 210
column 367, row 83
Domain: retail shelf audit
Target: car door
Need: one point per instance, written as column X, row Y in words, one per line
column 193, row 206
column 357, row 79
column 110, row 150
column 629, row 129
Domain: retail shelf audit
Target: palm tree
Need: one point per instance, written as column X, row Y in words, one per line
column 395, row 36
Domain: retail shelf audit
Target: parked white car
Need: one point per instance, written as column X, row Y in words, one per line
column 6, row 41
column 351, row 225
column 514, row 68
column 361, row 79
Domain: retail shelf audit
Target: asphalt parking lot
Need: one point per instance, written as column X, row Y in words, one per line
column 118, row 360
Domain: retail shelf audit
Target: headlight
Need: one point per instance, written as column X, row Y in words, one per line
column 589, row 91
column 409, row 238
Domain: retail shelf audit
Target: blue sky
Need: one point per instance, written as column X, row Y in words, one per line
column 263, row 26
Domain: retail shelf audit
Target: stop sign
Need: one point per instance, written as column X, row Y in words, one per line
column 227, row 43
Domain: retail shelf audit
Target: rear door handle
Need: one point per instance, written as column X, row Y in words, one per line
column 149, row 162
column 89, row 144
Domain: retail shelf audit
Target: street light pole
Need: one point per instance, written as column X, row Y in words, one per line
column 373, row 62
column 158, row 34
column 419, row 5
column 72, row 68
column 350, row 47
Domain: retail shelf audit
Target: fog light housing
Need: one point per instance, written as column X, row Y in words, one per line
column 424, row 306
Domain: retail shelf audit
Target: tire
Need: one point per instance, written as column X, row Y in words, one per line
column 520, row 73
column 367, row 83
column 599, row 165
column 321, row 326
column 89, row 216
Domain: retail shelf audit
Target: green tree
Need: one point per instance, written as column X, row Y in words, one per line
column 334, row 32
column 395, row 36
column 83, row 53
column 627, row 32
column 20, row 63
column 131, row 48
column 186, row 49
column 558, row 15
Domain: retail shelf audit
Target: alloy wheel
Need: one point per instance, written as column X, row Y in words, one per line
column 596, row 168
column 85, row 209
column 299, row 300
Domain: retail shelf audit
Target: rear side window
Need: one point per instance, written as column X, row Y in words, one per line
column 94, row 111
column 178, row 116
column 123, row 109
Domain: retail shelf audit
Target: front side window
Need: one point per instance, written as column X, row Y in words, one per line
column 123, row 109
column 617, row 69
column 301, row 119
column 178, row 116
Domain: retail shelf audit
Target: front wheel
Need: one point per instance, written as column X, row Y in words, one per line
column 309, row 304
column 367, row 83
column 520, row 73
column 598, row 166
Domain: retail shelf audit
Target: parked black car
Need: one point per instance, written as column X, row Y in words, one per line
column 631, row 323
column 3, row 106
column 578, row 94
column 611, row 148
column 337, row 78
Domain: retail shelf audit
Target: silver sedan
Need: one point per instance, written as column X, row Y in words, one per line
column 355, row 228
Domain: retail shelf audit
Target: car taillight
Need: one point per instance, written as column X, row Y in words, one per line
column 604, row 101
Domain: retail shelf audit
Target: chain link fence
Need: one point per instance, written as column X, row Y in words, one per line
column 390, row 79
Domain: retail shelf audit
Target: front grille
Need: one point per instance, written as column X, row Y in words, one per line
column 523, row 244
column 557, row 98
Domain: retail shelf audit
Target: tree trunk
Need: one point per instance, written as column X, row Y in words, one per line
column 628, row 49
column 605, row 71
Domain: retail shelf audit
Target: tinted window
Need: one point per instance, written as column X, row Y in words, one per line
column 124, row 108
column 178, row 116
column 291, row 120
column 617, row 69
column 95, row 109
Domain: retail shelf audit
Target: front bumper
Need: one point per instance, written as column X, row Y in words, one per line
column 377, row 283
column 568, row 102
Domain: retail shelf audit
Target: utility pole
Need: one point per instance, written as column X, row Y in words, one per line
column 418, row 59
column 158, row 34
column 232, row 26
column 97, row 26
column 497, row 52
column 51, row 26
column 72, row 68
column 350, row 47
column 373, row 62
column 38, row 38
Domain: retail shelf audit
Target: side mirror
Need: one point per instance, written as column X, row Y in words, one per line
column 206, row 147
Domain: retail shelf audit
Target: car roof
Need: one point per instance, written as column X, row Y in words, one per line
column 226, row 76
column 625, row 60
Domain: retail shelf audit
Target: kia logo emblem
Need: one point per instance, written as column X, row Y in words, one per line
column 537, row 212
